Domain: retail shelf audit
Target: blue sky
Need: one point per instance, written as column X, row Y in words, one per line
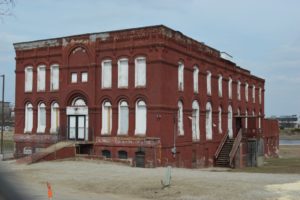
column 262, row 36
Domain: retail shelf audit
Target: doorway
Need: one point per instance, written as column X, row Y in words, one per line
column 77, row 127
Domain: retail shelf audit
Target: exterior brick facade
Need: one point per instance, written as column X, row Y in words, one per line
column 163, row 49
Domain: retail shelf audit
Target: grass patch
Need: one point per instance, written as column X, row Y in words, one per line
column 275, row 166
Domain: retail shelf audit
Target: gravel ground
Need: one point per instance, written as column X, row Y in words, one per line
column 85, row 179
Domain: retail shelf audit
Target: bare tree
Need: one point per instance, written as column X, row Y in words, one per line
column 6, row 7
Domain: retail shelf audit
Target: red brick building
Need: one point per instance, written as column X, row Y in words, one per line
column 149, row 95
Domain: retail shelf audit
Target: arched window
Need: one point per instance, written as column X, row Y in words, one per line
column 196, row 121
column 246, row 92
column 28, row 79
column 106, row 154
column 208, row 83
column 259, row 120
column 259, row 95
column 208, row 121
column 239, row 90
column 54, row 77
column 123, row 118
column 220, row 119
column 41, row 78
column 41, row 118
column 140, row 72
column 106, row 73
column 220, row 87
column 246, row 118
column 238, row 112
column 28, row 118
column 106, row 118
column 122, row 154
column 140, row 117
column 123, row 73
column 230, row 88
column 78, row 102
column 195, row 77
column 230, row 131
column 54, row 117
column 180, row 118
column 180, row 76
column 253, row 93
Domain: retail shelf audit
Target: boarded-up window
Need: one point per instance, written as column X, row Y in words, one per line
column 220, row 120
column 41, row 78
column 196, row 121
column 259, row 95
column 54, row 117
column 195, row 78
column 84, row 77
column 220, row 86
column 41, row 118
column 208, row 121
column 123, row 118
column 106, row 74
column 28, row 79
column 28, row 118
column 230, row 88
column 208, row 83
column 239, row 90
column 54, row 78
column 123, row 73
column 140, row 118
column 140, row 72
column 246, row 92
column 180, row 118
column 180, row 76
column 106, row 118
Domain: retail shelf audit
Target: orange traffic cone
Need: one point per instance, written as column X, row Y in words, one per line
column 50, row 194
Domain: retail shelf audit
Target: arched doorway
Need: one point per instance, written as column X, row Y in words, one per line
column 77, row 115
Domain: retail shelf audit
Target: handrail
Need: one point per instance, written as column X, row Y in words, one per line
column 221, row 145
column 235, row 146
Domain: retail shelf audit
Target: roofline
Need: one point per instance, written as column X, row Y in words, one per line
column 116, row 31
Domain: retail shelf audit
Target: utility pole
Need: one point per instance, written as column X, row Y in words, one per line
column 2, row 127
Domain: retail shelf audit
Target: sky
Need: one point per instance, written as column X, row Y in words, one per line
column 263, row 36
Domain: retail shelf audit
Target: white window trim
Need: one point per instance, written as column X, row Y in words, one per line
column 246, row 92
column 196, row 79
column 142, row 103
column 28, row 117
column 55, row 66
column 208, row 83
column 220, row 120
column 230, row 88
column 125, row 84
column 180, row 122
column 41, row 81
column 239, row 90
column 41, row 128
column 180, row 76
column 106, row 79
column 208, row 121
column 195, row 121
column 253, row 93
column 28, row 85
column 54, row 106
column 220, row 86
column 103, row 131
column 119, row 118
column 137, row 83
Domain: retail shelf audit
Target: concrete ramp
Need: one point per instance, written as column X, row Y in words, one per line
column 45, row 152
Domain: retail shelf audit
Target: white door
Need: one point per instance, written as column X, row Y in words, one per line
column 81, row 127
column 72, row 127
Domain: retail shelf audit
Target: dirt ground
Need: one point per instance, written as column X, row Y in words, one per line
column 85, row 179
